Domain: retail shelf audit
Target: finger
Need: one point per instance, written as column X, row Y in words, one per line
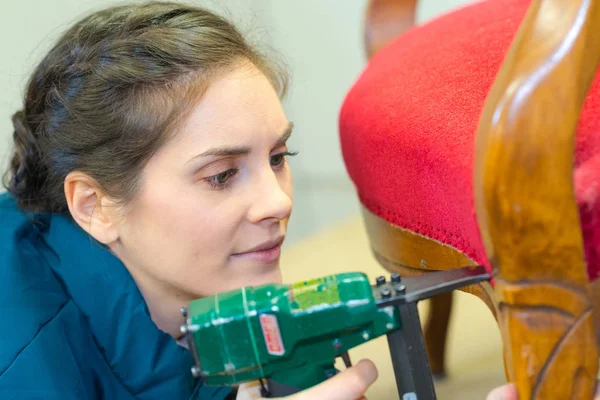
column 249, row 391
column 350, row 384
column 506, row 392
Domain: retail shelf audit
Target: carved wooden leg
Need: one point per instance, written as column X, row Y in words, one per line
column 436, row 333
column 410, row 254
column 525, row 202
column 549, row 334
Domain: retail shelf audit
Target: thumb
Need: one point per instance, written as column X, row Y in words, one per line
column 506, row 392
column 351, row 384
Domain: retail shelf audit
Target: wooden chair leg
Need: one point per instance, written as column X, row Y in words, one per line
column 410, row 254
column 525, row 202
column 436, row 333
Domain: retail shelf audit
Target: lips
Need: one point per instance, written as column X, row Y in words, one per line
column 266, row 252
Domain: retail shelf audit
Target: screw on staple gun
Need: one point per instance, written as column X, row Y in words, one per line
column 288, row 336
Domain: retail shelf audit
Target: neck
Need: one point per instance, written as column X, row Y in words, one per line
column 163, row 300
column 164, row 304
column 166, row 314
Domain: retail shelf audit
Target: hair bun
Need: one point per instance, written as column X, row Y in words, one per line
column 27, row 170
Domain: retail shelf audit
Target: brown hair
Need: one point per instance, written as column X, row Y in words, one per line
column 105, row 97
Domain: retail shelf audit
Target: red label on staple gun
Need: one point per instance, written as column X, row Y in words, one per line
column 272, row 334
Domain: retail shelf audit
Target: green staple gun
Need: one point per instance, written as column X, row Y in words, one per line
column 289, row 336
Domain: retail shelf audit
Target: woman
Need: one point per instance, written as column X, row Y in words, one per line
column 149, row 170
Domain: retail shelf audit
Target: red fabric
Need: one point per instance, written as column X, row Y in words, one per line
column 587, row 190
column 408, row 126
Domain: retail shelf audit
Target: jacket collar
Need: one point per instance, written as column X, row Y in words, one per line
column 144, row 359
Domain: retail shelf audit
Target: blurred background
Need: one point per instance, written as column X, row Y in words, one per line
column 322, row 43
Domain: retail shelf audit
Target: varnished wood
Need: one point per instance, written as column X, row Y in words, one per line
column 385, row 20
column 397, row 249
column 482, row 290
column 411, row 249
column 595, row 297
column 410, row 254
column 436, row 332
column 526, row 205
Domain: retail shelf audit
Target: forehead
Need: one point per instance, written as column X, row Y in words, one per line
column 237, row 106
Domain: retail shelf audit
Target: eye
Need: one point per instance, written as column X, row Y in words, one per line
column 278, row 160
column 222, row 180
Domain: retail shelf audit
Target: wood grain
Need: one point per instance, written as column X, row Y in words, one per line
column 482, row 290
column 410, row 254
column 595, row 297
column 436, row 332
column 385, row 20
column 526, row 205
column 411, row 249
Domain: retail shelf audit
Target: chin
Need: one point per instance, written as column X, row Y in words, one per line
column 263, row 274
column 251, row 274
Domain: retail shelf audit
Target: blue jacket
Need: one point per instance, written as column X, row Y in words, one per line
column 73, row 324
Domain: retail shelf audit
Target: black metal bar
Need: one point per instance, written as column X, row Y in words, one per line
column 416, row 353
column 275, row 389
column 407, row 345
column 401, row 364
column 414, row 289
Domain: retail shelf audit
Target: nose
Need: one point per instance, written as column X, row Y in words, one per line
column 271, row 199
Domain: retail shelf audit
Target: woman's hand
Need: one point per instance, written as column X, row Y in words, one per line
column 506, row 392
column 350, row 384
column 509, row 392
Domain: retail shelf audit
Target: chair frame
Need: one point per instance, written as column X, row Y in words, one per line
column 541, row 297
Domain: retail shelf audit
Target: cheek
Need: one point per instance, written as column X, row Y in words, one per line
column 179, row 237
column 191, row 223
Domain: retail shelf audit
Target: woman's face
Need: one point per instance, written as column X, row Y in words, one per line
column 214, row 203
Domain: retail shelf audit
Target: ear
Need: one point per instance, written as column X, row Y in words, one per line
column 91, row 208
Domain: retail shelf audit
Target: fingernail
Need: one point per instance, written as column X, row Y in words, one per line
column 368, row 370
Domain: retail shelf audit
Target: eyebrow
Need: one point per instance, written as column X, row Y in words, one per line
column 238, row 151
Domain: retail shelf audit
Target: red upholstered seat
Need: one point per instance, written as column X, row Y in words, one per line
column 408, row 127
